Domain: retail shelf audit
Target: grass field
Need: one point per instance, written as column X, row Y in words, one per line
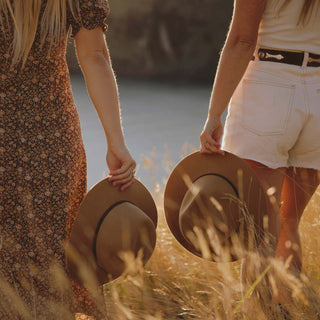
column 178, row 285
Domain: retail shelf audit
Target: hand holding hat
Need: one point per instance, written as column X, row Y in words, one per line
column 122, row 166
column 211, row 135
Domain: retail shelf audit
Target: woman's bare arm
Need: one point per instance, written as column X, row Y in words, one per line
column 94, row 59
column 236, row 54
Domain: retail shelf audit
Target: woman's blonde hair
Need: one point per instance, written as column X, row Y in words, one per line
column 310, row 7
column 25, row 16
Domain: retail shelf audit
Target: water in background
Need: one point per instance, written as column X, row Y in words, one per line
column 154, row 115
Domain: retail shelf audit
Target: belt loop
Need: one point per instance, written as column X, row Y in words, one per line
column 255, row 54
column 305, row 59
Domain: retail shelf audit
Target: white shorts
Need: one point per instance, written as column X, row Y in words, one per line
column 274, row 116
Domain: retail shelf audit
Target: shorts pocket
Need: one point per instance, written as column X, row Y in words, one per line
column 265, row 106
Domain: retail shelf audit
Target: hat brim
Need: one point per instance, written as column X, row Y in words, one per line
column 98, row 200
column 229, row 166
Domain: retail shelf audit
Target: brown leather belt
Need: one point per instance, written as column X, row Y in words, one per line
column 289, row 57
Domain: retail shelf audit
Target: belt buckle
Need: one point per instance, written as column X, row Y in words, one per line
column 264, row 55
column 311, row 60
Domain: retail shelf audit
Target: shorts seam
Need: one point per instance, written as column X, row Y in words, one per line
column 244, row 102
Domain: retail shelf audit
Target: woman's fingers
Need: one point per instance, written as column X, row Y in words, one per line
column 207, row 138
column 127, row 185
column 210, row 136
column 123, row 181
column 122, row 176
column 125, row 167
column 122, row 167
column 209, row 145
column 211, row 150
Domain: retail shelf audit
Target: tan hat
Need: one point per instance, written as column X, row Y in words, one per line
column 110, row 222
column 215, row 206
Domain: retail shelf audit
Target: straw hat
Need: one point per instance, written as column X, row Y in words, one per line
column 215, row 206
column 108, row 224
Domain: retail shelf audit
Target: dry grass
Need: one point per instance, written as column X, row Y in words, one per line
column 178, row 285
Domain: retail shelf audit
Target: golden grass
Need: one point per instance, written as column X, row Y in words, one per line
column 178, row 285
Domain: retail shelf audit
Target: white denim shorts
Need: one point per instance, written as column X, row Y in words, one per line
column 274, row 116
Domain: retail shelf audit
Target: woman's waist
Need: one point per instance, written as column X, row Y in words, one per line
column 269, row 71
column 292, row 57
column 290, row 40
column 35, row 65
column 40, row 96
column 38, row 112
column 34, row 80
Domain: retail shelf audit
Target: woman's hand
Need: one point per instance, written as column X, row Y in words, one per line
column 121, row 165
column 211, row 136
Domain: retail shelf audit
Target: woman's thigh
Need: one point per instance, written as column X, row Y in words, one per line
column 272, row 181
column 298, row 187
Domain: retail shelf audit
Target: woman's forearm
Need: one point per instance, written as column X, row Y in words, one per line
column 103, row 91
column 93, row 56
column 237, row 52
column 235, row 57
column 233, row 63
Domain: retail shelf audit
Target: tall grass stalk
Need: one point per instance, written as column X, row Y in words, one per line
column 178, row 285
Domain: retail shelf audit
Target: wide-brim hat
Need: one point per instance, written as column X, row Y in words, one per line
column 216, row 199
column 108, row 224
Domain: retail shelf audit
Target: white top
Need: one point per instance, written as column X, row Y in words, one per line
column 280, row 29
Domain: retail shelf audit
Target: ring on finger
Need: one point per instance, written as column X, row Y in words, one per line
column 133, row 172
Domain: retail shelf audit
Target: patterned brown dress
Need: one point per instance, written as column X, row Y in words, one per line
column 42, row 176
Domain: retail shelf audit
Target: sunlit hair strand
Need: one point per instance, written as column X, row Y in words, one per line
column 25, row 16
column 309, row 9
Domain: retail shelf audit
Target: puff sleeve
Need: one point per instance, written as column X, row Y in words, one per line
column 89, row 14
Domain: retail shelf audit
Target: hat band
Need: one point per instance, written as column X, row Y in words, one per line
column 94, row 246
column 223, row 177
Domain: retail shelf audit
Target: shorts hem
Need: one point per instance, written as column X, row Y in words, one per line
column 305, row 166
column 274, row 165
column 269, row 164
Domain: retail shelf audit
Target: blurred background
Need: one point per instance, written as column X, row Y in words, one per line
column 164, row 54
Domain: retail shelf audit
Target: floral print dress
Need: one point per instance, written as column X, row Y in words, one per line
column 42, row 176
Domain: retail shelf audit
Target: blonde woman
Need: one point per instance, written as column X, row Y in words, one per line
column 43, row 162
column 270, row 69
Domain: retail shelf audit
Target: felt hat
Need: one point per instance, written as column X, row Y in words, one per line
column 215, row 206
column 110, row 223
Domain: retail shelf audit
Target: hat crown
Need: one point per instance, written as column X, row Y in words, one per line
column 99, row 233
column 251, row 204
column 209, row 206
column 125, row 229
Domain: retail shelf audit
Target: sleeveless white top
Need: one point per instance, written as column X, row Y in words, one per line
column 280, row 29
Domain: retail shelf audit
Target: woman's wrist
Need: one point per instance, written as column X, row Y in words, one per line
column 213, row 115
column 115, row 142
